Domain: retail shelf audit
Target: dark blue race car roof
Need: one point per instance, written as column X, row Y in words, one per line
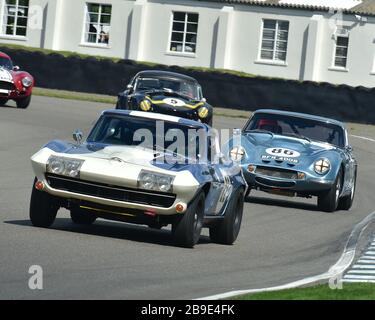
column 301, row 115
column 155, row 116
column 165, row 74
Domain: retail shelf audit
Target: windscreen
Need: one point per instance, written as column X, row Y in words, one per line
column 298, row 127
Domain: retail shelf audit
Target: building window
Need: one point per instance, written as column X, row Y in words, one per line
column 184, row 32
column 341, row 51
column 97, row 23
column 274, row 40
column 15, row 13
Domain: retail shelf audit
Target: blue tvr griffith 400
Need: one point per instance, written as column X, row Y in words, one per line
column 297, row 154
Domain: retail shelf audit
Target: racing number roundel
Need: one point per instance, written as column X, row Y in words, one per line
column 282, row 152
column 174, row 102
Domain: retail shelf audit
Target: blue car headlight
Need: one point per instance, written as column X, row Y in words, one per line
column 322, row 166
column 64, row 166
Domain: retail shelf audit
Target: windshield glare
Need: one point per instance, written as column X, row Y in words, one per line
column 6, row 63
column 294, row 126
column 125, row 131
column 185, row 88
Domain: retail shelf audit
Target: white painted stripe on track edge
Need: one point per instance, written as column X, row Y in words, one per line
column 336, row 270
column 363, row 138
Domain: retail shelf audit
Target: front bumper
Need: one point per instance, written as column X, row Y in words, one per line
column 14, row 94
column 310, row 185
column 113, row 196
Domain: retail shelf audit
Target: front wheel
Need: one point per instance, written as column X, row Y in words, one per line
column 226, row 231
column 43, row 208
column 187, row 228
column 329, row 201
column 82, row 216
column 346, row 202
column 24, row 102
column 3, row 101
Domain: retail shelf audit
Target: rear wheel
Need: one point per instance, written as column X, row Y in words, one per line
column 43, row 208
column 346, row 202
column 82, row 216
column 187, row 228
column 329, row 200
column 24, row 102
column 226, row 232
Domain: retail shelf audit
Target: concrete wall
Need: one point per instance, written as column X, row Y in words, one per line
column 229, row 37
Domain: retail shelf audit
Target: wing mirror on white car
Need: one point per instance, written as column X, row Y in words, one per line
column 16, row 68
column 78, row 136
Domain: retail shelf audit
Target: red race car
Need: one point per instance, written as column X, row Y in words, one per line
column 14, row 84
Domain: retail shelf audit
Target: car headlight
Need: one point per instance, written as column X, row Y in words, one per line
column 64, row 166
column 322, row 166
column 237, row 153
column 155, row 181
column 203, row 112
column 145, row 105
column 26, row 82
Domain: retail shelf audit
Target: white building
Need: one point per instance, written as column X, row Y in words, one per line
column 296, row 39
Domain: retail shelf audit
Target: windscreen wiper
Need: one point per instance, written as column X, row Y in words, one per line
column 296, row 135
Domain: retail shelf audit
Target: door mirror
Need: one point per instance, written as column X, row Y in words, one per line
column 349, row 148
column 16, row 68
column 129, row 87
column 204, row 100
column 78, row 136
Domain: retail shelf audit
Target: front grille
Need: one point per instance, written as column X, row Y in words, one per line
column 274, row 183
column 277, row 173
column 157, row 199
column 6, row 85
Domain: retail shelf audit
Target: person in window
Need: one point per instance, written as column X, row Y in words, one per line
column 92, row 33
column 103, row 37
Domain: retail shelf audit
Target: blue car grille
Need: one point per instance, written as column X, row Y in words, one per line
column 277, row 173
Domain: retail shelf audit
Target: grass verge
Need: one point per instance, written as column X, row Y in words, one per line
column 99, row 98
column 350, row 291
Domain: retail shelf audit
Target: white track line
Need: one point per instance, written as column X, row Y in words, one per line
column 363, row 138
column 335, row 271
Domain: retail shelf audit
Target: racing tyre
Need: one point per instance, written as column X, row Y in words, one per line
column 82, row 216
column 3, row 101
column 187, row 228
column 24, row 102
column 329, row 201
column 227, row 230
column 43, row 208
column 347, row 201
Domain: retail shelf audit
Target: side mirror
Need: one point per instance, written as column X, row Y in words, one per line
column 129, row 87
column 349, row 148
column 204, row 100
column 16, row 68
column 78, row 136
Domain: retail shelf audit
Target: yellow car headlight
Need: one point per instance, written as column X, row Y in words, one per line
column 145, row 105
column 203, row 112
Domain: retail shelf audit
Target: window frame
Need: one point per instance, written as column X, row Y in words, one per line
column 273, row 61
column 85, row 33
column 185, row 32
column 2, row 21
column 335, row 46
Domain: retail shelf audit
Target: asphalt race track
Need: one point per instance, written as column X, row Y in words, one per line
column 281, row 240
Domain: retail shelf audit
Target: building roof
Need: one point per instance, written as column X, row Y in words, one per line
column 365, row 7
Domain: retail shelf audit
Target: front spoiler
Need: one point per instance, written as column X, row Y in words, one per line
column 307, row 186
